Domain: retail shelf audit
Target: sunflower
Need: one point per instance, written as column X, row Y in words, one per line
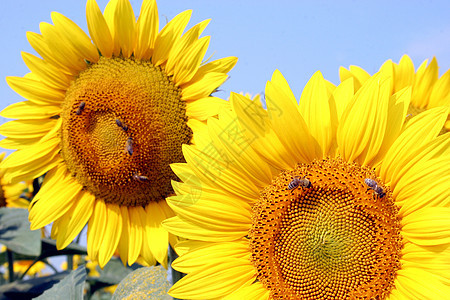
column 105, row 116
column 428, row 89
column 332, row 198
column 10, row 194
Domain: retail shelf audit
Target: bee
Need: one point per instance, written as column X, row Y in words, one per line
column 140, row 178
column 80, row 108
column 129, row 146
column 121, row 125
column 297, row 181
column 372, row 184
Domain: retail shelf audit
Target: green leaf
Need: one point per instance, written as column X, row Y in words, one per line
column 144, row 283
column 71, row 287
column 28, row 289
column 15, row 232
column 49, row 249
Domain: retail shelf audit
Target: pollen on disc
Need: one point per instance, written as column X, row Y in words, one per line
column 123, row 124
column 335, row 239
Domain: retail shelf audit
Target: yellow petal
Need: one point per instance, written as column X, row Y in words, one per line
column 54, row 198
column 315, row 109
column 28, row 110
column 253, row 291
column 397, row 109
column 419, row 131
column 74, row 35
column 192, row 231
column 27, row 128
column 216, row 281
column 440, row 95
column 96, row 229
column 124, row 27
column 426, row 77
column 427, row 226
column 64, row 50
column 136, row 232
column 204, row 108
column 76, row 219
column 190, row 61
column 40, row 45
column 342, row 96
column 213, row 211
column 124, row 244
column 113, row 231
column 181, row 45
column 410, row 192
column 416, row 283
column 168, row 35
column 223, row 65
column 361, row 130
column 202, row 254
column 147, row 28
column 157, row 236
column 36, row 91
column 287, row 122
column 255, row 124
column 204, row 87
column 216, row 172
column 404, row 73
column 98, row 29
column 27, row 155
column 48, row 73
column 227, row 136
column 110, row 15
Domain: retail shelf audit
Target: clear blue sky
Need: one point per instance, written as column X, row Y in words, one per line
column 297, row 37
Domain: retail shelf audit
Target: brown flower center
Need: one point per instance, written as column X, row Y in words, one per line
column 123, row 123
column 322, row 231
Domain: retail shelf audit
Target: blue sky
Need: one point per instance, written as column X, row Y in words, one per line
column 296, row 37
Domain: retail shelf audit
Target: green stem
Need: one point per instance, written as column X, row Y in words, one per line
column 9, row 253
column 69, row 262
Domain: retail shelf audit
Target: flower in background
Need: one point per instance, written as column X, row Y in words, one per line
column 428, row 90
column 332, row 198
column 105, row 119
column 10, row 193
column 21, row 266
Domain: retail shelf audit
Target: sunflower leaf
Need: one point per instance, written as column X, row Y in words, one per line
column 15, row 232
column 28, row 289
column 71, row 287
column 49, row 249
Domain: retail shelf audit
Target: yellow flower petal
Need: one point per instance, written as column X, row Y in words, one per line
column 74, row 35
column 419, row 131
column 217, row 280
column 35, row 91
column 124, row 27
column 156, row 233
column 317, row 112
column 49, row 74
column 168, row 35
column 147, row 28
column 54, row 198
column 361, row 130
column 428, row 226
column 98, row 29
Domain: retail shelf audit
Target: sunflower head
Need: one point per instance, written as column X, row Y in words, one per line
column 316, row 199
column 106, row 113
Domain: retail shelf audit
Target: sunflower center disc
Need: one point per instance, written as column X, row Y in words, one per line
column 123, row 123
column 336, row 239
